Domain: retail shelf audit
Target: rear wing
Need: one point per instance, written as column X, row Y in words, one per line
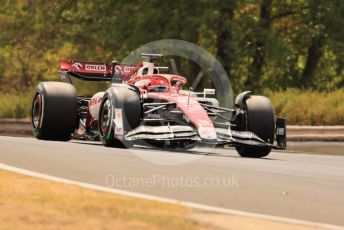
column 94, row 71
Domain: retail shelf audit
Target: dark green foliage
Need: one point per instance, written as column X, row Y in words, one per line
column 262, row 44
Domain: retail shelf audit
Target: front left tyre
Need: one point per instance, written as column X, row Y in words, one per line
column 123, row 104
column 54, row 111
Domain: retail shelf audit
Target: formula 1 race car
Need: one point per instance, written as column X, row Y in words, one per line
column 145, row 106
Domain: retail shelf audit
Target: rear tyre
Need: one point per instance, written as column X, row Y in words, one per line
column 127, row 101
column 54, row 111
column 259, row 120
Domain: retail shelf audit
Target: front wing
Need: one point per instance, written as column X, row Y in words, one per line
column 181, row 133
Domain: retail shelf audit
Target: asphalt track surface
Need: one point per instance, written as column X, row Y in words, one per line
column 301, row 186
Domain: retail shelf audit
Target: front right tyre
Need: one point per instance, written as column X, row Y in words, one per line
column 259, row 119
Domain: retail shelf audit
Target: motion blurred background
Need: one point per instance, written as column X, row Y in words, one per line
column 291, row 51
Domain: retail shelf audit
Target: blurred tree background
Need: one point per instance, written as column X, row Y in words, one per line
column 266, row 46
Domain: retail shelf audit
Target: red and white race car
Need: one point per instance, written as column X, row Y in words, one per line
column 146, row 106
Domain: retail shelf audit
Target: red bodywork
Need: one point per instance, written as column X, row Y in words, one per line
column 98, row 69
column 88, row 68
column 188, row 105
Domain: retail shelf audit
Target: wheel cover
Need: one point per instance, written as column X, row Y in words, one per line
column 105, row 117
column 37, row 111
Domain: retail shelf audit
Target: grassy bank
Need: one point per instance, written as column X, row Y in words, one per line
column 16, row 105
column 309, row 107
column 299, row 107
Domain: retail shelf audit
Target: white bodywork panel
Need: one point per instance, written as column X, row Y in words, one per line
column 94, row 105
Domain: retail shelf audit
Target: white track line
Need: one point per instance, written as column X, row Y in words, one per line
column 201, row 207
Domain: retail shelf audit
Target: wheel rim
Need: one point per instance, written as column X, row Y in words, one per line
column 105, row 117
column 37, row 111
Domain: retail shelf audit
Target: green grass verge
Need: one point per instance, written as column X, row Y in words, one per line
column 299, row 107
column 16, row 105
column 309, row 107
